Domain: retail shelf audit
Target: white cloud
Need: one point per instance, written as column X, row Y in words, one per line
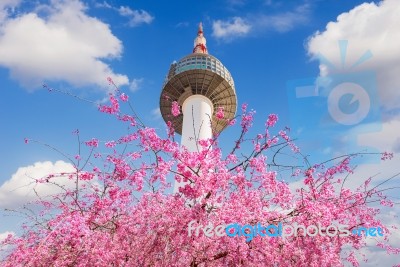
column 7, row 6
column 385, row 139
column 260, row 22
column 5, row 234
column 286, row 21
column 21, row 187
column 182, row 24
column 268, row 2
column 156, row 113
column 230, row 29
column 369, row 26
column 4, row 249
column 135, row 84
column 136, row 17
column 64, row 45
column 236, row 2
column 105, row 4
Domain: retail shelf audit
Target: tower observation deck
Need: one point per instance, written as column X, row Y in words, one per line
column 201, row 84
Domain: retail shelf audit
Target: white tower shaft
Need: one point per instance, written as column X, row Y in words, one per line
column 197, row 113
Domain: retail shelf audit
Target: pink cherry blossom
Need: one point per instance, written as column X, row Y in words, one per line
column 272, row 119
column 110, row 144
column 175, row 109
column 220, row 113
column 110, row 80
column 113, row 108
column 386, row 156
column 92, row 143
column 121, row 210
column 123, row 97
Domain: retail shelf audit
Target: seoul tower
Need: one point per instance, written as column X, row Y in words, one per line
column 201, row 85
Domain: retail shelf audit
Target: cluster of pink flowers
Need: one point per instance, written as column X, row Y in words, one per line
column 122, row 212
column 92, row 143
column 110, row 80
column 113, row 108
column 175, row 109
column 272, row 119
column 170, row 129
column 387, row 156
column 220, row 113
column 247, row 120
column 110, row 144
column 128, row 118
column 86, row 176
column 123, row 97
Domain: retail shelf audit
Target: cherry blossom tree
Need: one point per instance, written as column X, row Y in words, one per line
column 122, row 211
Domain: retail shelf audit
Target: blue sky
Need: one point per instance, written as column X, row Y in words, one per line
column 271, row 48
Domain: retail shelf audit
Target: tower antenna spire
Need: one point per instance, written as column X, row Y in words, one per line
column 200, row 41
